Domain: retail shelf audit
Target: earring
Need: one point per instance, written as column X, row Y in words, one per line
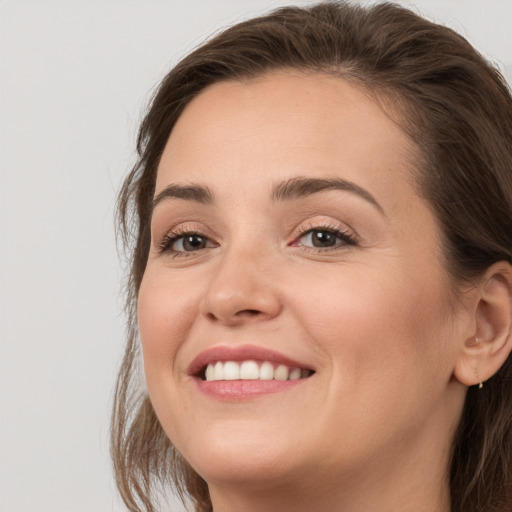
column 480, row 384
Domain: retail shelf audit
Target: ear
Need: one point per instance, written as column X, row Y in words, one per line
column 489, row 346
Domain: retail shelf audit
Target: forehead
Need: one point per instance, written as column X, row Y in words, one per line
column 284, row 124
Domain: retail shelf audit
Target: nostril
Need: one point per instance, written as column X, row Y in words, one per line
column 237, row 316
column 249, row 312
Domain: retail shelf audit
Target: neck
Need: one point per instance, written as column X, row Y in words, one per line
column 359, row 497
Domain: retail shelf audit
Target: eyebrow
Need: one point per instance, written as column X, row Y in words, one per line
column 198, row 193
column 302, row 187
column 293, row 188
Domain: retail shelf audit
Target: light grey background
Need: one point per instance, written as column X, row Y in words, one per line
column 74, row 77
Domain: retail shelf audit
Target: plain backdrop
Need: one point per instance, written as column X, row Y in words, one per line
column 74, row 79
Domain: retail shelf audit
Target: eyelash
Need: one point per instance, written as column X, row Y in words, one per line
column 165, row 246
column 171, row 238
column 346, row 238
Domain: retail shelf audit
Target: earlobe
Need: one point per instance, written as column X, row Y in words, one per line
column 488, row 348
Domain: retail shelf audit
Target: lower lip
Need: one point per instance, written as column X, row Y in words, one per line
column 240, row 389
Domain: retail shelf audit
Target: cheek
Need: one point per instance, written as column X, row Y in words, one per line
column 375, row 324
column 386, row 345
column 165, row 314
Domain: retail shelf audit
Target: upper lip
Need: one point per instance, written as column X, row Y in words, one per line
column 241, row 353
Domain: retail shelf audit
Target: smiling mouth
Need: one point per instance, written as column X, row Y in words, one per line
column 251, row 370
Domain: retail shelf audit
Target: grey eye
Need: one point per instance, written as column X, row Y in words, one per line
column 190, row 242
column 320, row 238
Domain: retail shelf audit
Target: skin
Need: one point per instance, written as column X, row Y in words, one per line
column 372, row 428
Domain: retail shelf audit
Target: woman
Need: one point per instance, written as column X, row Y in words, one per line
column 321, row 278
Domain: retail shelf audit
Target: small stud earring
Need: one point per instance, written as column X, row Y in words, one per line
column 480, row 384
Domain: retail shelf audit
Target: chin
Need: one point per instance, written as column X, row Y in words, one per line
column 242, row 458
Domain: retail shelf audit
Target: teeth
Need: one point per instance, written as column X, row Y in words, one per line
column 295, row 374
column 251, row 370
column 218, row 372
column 210, row 372
column 281, row 372
column 231, row 371
column 266, row 371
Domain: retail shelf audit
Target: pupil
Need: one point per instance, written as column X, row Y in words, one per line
column 323, row 239
column 193, row 242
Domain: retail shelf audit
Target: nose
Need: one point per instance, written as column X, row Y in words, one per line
column 242, row 290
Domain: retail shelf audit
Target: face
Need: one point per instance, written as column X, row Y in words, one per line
column 294, row 309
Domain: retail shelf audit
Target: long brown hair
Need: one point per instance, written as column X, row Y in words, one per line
column 458, row 111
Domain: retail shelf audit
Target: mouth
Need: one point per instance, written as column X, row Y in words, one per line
column 247, row 370
column 251, row 370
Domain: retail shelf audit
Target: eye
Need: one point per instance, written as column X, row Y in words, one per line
column 318, row 238
column 325, row 238
column 185, row 242
column 190, row 242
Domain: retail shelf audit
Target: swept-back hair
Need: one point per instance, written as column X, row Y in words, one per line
column 455, row 107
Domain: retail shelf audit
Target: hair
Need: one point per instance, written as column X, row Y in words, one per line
column 456, row 108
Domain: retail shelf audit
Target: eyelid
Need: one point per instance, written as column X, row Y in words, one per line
column 165, row 242
column 347, row 235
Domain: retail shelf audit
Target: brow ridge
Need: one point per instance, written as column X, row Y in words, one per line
column 189, row 192
column 295, row 188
